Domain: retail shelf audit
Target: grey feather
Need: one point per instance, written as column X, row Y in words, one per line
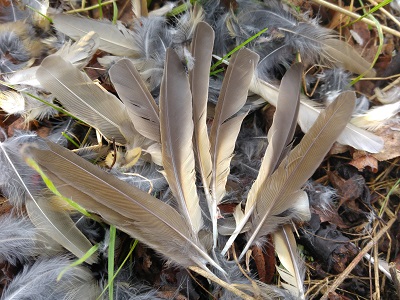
column 39, row 281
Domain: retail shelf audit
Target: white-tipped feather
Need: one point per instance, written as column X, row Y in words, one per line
column 293, row 267
column 176, row 139
column 353, row 136
column 85, row 100
column 115, row 39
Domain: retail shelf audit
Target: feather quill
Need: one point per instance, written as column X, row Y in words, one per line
column 133, row 92
column 227, row 121
column 115, row 39
column 131, row 210
column 293, row 272
column 202, row 46
column 279, row 136
column 81, row 97
column 351, row 135
column 176, row 139
column 281, row 189
column 39, row 281
column 52, row 221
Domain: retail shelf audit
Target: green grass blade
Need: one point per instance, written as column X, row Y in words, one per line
column 111, row 259
column 370, row 12
column 78, row 262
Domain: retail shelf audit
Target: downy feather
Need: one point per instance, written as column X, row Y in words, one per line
column 39, row 281
column 202, row 46
column 85, row 100
column 131, row 210
column 114, row 39
column 282, row 188
column 176, row 139
column 351, row 135
column 279, row 136
column 138, row 101
column 79, row 54
column 293, row 267
column 20, row 241
column 226, row 124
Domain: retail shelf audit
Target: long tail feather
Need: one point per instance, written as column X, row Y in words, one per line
column 76, row 91
column 226, row 125
column 279, row 190
column 131, row 210
column 176, row 139
column 202, row 46
column 133, row 92
column 279, row 136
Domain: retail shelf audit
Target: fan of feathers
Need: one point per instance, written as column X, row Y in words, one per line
column 171, row 148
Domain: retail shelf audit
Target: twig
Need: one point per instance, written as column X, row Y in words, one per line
column 357, row 259
column 356, row 16
column 222, row 283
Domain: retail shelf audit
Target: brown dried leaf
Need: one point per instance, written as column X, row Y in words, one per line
column 362, row 160
column 390, row 133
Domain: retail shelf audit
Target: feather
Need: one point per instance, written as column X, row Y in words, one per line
column 351, row 135
column 376, row 117
column 54, row 222
column 81, row 97
column 131, row 210
column 79, row 54
column 281, row 189
column 226, row 125
column 39, row 281
column 279, row 136
column 293, row 272
column 57, row 224
column 176, row 139
column 114, row 39
column 133, row 92
column 12, row 102
column 20, row 240
column 202, row 46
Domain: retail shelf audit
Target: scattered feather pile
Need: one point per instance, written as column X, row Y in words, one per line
column 172, row 154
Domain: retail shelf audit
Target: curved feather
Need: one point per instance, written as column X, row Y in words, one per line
column 277, row 194
column 202, row 47
column 353, row 136
column 85, row 100
column 114, row 39
column 133, row 92
column 176, row 139
column 279, row 136
column 133, row 211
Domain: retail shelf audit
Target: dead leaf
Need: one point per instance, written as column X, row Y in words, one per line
column 362, row 160
column 390, row 134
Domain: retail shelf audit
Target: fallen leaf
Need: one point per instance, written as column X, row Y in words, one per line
column 362, row 160
column 390, row 134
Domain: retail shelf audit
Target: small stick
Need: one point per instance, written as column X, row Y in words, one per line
column 356, row 16
column 357, row 259
column 222, row 283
